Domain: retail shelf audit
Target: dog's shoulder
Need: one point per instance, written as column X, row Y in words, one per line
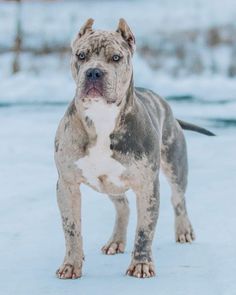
column 153, row 101
column 160, row 111
column 71, row 139
column 157, row 107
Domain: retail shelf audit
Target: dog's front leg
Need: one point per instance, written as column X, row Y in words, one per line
column 69, row 202
column 142, row 265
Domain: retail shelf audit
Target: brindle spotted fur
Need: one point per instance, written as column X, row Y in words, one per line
column 146, row 137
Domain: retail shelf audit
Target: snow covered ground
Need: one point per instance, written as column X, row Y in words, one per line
column 31, row 105
column 32, row 243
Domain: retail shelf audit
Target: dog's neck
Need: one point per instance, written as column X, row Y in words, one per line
column 128, row 104
column 102, row 118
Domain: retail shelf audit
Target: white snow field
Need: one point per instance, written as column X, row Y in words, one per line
column 32, row 242
column 31, row 105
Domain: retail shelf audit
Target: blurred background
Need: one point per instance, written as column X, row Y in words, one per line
column 186, row 52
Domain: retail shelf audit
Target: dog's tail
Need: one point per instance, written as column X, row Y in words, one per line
column 192, row 127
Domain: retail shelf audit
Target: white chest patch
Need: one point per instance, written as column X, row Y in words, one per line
column 99, row 161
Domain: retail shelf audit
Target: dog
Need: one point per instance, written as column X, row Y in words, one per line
column 114, row 137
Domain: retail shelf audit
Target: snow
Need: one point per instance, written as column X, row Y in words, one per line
column 32, row 243
column 31, row 104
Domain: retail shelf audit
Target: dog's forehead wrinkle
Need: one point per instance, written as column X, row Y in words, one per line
column 110, row 42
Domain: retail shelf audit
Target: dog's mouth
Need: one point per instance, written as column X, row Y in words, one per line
column 94, row 92
column 93, row 89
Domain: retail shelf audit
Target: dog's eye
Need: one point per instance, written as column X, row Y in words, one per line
column 81, row 55
column 116, row 57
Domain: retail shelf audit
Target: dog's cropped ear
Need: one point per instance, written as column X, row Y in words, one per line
column 126, row 33
column 87, row 27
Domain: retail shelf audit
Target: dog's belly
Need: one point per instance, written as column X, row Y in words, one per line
column 102, row 172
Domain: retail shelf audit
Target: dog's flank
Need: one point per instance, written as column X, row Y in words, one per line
column 192, row 127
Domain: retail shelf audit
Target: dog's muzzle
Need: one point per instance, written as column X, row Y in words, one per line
column 94, row 82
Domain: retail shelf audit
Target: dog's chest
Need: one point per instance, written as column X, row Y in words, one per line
column 98, row 168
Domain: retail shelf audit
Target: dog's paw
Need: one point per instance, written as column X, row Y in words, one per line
column 183, row 230
column 69, row 271
column 112, row 248
column 141, row 270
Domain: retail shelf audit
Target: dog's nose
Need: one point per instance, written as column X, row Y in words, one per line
column 94, row 74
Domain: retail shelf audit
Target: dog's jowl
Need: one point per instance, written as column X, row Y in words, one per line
column 114, row 137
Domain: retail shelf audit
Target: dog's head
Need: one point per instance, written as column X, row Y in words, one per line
column 101, row 63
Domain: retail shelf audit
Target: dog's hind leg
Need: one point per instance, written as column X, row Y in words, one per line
column 175, row 166
column 116, row 243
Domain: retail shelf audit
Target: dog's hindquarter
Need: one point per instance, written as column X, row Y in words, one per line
column 174, row 164
column 172, row 149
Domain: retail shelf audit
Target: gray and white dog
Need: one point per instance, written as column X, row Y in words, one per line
column 114, row 137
